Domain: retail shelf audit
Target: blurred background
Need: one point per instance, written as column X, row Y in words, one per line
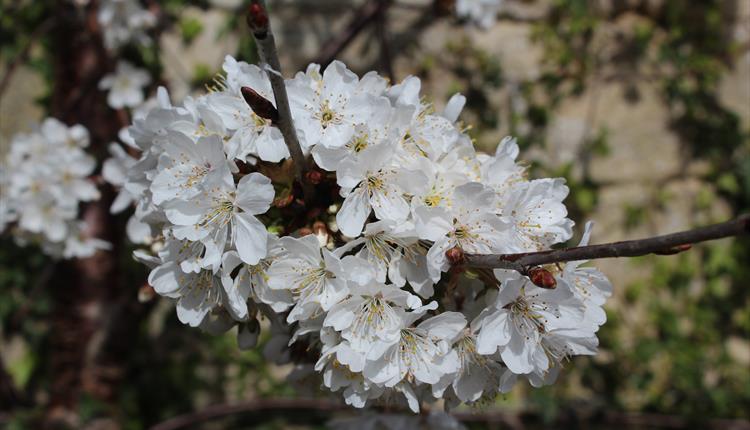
column 642, row 105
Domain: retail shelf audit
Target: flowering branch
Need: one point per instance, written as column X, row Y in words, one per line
column 257, row 20
column 662, row 245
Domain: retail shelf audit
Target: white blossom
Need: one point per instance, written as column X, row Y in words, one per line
column 125, row 86
column 315, row 277
column 251, row 134
column 123, row 21
column 480, row 12
column 352, row 275
column 224, row 213
column 46, row 174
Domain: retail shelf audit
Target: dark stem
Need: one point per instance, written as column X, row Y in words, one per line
column 368, row 12
column 319, row 411
column 264, row 40
column 666, row 244
column 266, row 407
column 381, row 29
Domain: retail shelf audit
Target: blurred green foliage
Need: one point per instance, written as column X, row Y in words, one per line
column 677, row 356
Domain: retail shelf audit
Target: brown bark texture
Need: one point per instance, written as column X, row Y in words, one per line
column 93, row 313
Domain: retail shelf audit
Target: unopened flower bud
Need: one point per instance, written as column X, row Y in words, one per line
column 674, row 250
column 146, row 293
column 247, row 335
column 319, row 227
column 284, row 201
column 260, row 105
column 542, row 278
column 455, row 255
column 320, row 230
column 315, row 177
column 257, row 18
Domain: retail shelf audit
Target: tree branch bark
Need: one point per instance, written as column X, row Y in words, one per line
column 666, row 244
column 304, row 410
column 381, row 27
column 295, row 406
column 363, row 16
column 88, row 354
column 258, row 21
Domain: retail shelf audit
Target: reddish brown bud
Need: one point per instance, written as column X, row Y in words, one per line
column 260, row 105
column 315, row 177
column 455, row 255
column 304, row 231
column 257, row 18
column 319, row 227
column 674, row 250
column 146, row 293
column 283, row 201
column 542, row 278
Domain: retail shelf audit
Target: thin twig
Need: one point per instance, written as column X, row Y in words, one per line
column 381, row 28
column 260, row 25
column 300, row 409
column 363, row 16
column 666, row 244
column 23, row 55
column 258, row 405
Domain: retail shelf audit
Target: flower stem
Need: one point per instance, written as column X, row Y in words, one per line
column 257, row 19
column 660, row 245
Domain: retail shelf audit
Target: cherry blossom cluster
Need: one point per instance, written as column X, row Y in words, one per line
column 44, row 178
column 363, row 284
column 124, row 21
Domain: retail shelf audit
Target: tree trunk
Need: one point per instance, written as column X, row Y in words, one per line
column 92, row 312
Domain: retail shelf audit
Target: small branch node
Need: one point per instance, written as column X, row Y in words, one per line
column 674, row 250
column 542, row 278
column 315, row 177
column 455, row 256
column 257, row 20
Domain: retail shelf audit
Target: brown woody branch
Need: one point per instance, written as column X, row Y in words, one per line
column 314, row 411
column 258, row 21
column 666, row 244
column 265, row 406
column 367, row 13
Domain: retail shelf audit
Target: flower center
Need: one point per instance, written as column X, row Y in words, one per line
column 374, row 182
column 433, row 199
column 197, row 173
column 312, row 281
column 219, row 214
column 467, row 353
column 359, row 143
column 462, row 233
column 328, row 116
column 525, row 315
